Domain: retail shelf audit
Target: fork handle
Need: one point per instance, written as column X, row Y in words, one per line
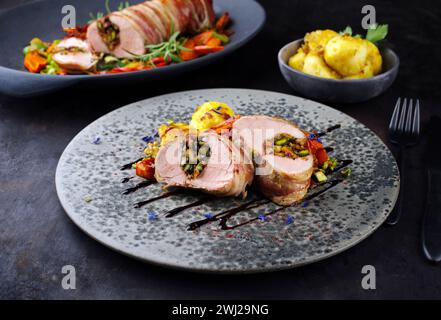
column 395, row 215
column 431, row 235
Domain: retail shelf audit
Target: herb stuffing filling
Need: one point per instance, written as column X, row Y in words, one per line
column 195, row 156
column 285, row 145
column 109, row 32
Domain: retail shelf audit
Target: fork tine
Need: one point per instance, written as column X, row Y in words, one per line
column 395, row 115
column 402, row 120
column 409, row 118
column 416, row 119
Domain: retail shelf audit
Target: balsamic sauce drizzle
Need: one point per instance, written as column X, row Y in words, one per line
column 321, row 134
column 129, row 165
column 162, row 196
column 175, row 211
column 140, row 185
column 329, row 185
column 224, row 216
column 126, row 179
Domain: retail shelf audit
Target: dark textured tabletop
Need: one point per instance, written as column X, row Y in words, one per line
column 37, row 238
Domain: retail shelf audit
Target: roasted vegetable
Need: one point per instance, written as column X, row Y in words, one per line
column 188, row 53
column 320, row 176
column 146, row 168
column 34, row 62
column 223, row 22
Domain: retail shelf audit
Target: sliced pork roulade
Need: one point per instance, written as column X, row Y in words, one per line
column 74, row 54
column 280, row 150
column 125, row 33
column 208, row 162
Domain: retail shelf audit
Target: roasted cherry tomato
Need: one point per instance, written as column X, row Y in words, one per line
column 314, row 145
column 322, row 156
column 146, row 168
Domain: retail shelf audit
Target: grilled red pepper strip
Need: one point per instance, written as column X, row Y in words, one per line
column 322, row 156
column 207, row 49
column 222, row 22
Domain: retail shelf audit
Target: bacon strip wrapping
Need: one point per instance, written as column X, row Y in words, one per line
column 125, row 33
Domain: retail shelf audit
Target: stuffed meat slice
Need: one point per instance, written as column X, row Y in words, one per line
column 74, row 54
column 126, row 33
column 208, row 162
column 280, row 150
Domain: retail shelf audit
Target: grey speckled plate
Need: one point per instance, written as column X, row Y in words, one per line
column 88, row 181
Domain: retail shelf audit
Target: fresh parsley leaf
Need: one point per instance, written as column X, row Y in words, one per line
column 347, row 30
column 377, row 32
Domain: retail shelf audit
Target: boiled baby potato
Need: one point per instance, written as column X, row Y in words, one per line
column 298, row 60
column 316, row 41
column 374, row 57
column 171, row 131
column 366, row 72
column 210, row 114
column 346, row 55
column 316, row 66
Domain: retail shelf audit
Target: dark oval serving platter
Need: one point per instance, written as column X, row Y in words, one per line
column 43, row 19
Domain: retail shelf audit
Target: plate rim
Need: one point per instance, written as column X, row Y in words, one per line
column 114, row 245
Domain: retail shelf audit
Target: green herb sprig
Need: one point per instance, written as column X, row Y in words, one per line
column 121, row 6
column 375, row 33
column 168, row 49
column 348, row 31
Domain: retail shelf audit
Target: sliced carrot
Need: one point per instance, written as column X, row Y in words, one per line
column 225, row 126
column 214, row 42
column 189, row 54
column 207, row 49
column 222, row 22
column 34, row 62
column 51, row 48
column 202, row 38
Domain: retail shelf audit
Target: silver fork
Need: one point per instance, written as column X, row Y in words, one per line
column 404, row 131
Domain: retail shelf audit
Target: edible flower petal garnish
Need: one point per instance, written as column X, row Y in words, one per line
column 148, row 139
column 97, row 140
column 289, row 220
column 152, row 216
